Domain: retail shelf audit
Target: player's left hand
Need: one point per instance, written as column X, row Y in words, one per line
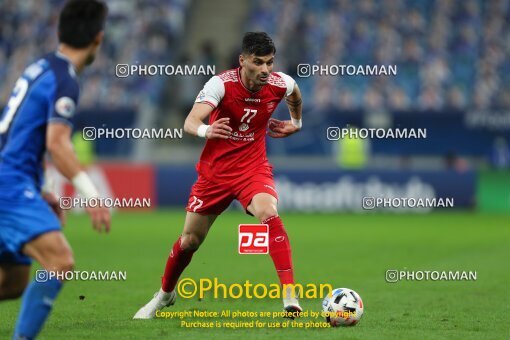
column 281, row 128
column 54, row 204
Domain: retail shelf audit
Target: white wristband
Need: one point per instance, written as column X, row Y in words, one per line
column 297, row 122
column 202, row 129
column 84, row 185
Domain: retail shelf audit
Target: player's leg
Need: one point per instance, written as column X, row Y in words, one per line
column 207, row 200
column 260, row 199
column 13, row 280
column 195, row 230
column 52, row 251
column 263, row 207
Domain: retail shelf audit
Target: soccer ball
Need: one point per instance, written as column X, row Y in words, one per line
column 342, row 307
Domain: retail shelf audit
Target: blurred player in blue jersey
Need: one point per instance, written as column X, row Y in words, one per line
column 38, row 118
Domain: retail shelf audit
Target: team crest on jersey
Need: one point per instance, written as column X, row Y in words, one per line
column 65, row 107
column 243, row 127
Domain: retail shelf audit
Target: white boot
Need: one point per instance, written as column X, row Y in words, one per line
column 160, row 300
column 291, row 302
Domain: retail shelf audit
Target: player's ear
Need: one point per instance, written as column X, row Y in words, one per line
column 241, row 60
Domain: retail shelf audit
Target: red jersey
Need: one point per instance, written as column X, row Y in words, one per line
column 245, row 150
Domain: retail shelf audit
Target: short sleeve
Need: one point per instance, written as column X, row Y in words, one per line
column 289, row 82
column 212, row 93
column 64, row 100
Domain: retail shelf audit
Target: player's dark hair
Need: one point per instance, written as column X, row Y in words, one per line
column 80, row 21
column 258, row 43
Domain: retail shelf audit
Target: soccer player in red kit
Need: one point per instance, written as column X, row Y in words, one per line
column 233, row 164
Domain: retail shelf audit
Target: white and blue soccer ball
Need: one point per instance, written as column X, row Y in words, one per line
column 342, row 307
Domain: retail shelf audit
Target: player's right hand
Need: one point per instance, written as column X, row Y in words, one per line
column 219, row 129
column 100, row 217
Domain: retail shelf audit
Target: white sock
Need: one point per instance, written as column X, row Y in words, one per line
column 290, row 296
column 162, row 295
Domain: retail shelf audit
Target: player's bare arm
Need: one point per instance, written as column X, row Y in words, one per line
column 60, row 147
column 194, row 123
column 285, row 128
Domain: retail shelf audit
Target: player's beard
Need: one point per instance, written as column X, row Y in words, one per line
column 90, row 59
column 263, row 81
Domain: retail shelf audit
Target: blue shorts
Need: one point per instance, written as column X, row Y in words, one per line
column 24, row 215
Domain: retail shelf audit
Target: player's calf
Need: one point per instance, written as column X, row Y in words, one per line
column 263, row 206
column 52, row 251
column 13, row 281
column 10, row 292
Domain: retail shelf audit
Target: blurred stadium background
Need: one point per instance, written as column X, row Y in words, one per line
column 453, row 79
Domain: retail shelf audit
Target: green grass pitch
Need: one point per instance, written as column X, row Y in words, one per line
column 344, row 250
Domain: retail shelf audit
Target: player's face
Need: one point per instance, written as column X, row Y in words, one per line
column 258, row 68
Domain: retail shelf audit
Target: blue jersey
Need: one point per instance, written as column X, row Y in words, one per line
column 46, row 92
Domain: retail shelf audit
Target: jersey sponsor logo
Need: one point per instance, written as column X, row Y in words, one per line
column 196, row 204
column 65, row 107
column 255, row 100
column 253, row 239
column 241, row 137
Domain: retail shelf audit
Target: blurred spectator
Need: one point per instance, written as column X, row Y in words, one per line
column 500, row 155
column 450, row 54
column 136, row 32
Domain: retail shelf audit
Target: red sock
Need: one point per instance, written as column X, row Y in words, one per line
column 175, row 265
column 279, row 249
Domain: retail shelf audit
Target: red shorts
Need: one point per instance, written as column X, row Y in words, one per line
column 210, row 198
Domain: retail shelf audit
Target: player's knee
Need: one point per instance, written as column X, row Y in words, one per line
column 67, row 264
column 190, row 242
column 63, row 263
column 266, row 211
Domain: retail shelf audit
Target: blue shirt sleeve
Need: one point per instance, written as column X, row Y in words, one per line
column 64, row 99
